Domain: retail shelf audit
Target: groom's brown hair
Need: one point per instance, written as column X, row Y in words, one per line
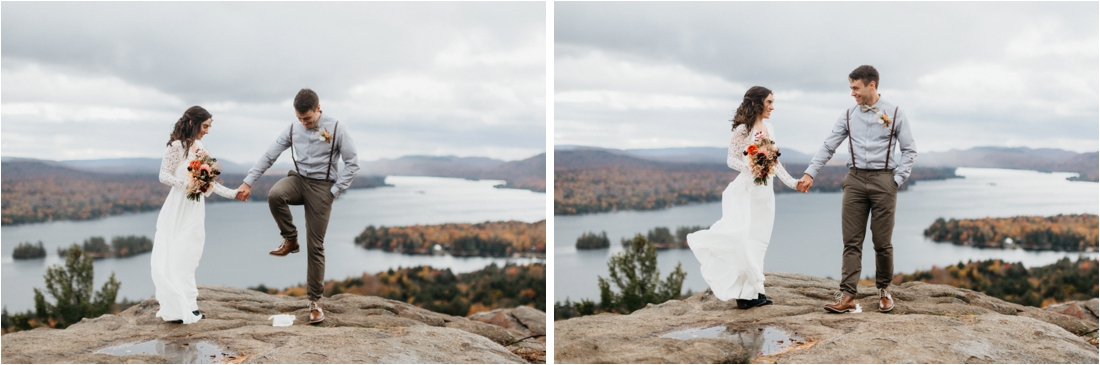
column 865, row 73
column 305, row 101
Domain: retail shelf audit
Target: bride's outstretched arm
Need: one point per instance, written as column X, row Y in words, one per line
column 223, row 191
column 738, row 143
column 173, row 157
column 781, row 172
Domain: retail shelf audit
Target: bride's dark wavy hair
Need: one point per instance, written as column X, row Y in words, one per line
column 188, row 127
column 752, row 106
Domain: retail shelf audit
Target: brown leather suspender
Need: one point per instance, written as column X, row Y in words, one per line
column 292, row 158
column 889, row 144
column 332, row 150
column 851, row 149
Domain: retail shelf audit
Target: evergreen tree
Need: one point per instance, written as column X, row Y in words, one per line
column 634, row 272
column 71, row 286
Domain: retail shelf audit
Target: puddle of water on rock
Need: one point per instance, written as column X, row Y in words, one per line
column 177, row 353
column 764, row 342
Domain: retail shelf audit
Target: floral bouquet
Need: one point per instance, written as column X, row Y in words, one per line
column 763, row 155
column 204, row 170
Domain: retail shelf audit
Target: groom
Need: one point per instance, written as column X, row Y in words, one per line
column 873, row 128
column 316, row 142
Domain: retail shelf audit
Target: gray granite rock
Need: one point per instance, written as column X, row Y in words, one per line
column 930, row 324
column 357, row 329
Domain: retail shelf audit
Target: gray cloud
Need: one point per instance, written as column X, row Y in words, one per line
column 128, row 65
column 1002, row 73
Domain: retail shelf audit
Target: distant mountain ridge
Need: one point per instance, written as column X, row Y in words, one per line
column 42, row 190
column 141, row 165
column 693, row 155
column 1044, row 159
column 528, row 173
column 593, row 180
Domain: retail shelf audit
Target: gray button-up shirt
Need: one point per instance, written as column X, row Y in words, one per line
column 312, row 153
column 869, row 141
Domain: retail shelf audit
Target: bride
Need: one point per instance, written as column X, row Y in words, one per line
column 732, row 250
column 178, row 242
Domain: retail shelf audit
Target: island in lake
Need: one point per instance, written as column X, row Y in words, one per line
column 592, row 241
column 121, row 246
column 26, row 251
column 1063, row 232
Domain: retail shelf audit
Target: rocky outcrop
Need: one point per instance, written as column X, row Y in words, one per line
column 525, row 323
column 930, row 324
column 357, row 329
column 1085, row 310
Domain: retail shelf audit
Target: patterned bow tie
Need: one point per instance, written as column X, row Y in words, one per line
column 866, row 108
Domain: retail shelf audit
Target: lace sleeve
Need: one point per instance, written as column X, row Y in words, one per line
column 223, row 191
column 780, row 170
column 173, row 156
column 738, row 143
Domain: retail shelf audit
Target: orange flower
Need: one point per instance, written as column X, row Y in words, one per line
column 195, row 164
column 752, row 149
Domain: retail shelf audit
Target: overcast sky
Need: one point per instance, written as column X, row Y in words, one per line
column 106, row 80
column 646, row 75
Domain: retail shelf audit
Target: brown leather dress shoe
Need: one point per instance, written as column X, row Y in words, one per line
column 885, row 301
column 844, row 304
column 287, row 247
column 316, row 315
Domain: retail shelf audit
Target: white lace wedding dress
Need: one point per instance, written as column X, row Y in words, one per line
column 181, row 233
column 732, row 250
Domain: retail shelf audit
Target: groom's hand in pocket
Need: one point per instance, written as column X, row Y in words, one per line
column 244, row 192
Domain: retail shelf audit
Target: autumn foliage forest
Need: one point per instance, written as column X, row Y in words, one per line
column 595, row 181
column 1068, row 232
column 1062, row 281
column 38, row 192
column 442, row 291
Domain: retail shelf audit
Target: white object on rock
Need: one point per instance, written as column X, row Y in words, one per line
column 282, row 320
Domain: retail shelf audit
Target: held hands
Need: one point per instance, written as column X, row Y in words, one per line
column 805, row 183
column 244, row 192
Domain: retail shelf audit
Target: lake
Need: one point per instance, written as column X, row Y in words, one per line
column 239, row 235
column 806, row 237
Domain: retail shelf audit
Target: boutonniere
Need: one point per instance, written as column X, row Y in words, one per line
column 324, row 136
column 885, row 120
